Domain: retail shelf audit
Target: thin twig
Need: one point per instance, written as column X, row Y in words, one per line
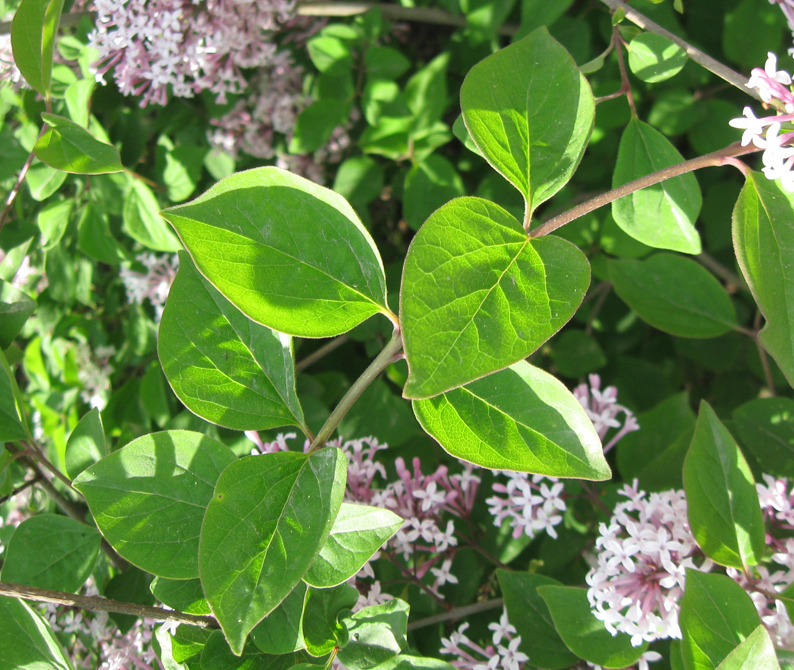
column 38, row 454
column 19, row 489
column 457, row 613
column 13, row 194
column 713, row 159
column 323, row 351
column 392, row 12
column 98, row 604
column 700, row 57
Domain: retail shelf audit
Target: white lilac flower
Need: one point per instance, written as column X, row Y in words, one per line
column 154, row 284
column 603, row 409
column 94, row 370
column 641, row 558
column 532, row 503
column 9, row 72
column 502, row 653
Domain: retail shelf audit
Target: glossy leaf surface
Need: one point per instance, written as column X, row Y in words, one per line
column 69, row 147
column 662, row 215
column 221, row 365
column 722, row 502
column 521, row 418
column 763, row 238
column 530, row 112
column 149, row 498
column 268, row 519
column 478, row 294
column 358, row 532
column 674, row 294
column 288, row 253
column 585, row 635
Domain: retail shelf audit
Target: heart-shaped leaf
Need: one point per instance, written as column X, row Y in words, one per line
column 478, row 294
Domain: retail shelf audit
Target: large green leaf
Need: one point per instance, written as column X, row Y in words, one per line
column 722, row 503
column 33, row 41
column 530, row 615
column 280, row 632
column 358, row 532
column 662, row 215
column 478, row 294
column 266, row 523
column 716, row 616
column 288, row 253
column 530, row 111
column 586, row 636
column 15, row 308
column 86, row 444
column 766, row 427
column 674, row 294
column 26, row 640
column 51, row 552
column 756, row 652
column 763, row 237
column 69, row 147
column 521, row 418
column 221, row 365
column 149, row 498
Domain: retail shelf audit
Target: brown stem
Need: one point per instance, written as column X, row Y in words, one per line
column 625, row 83
column 19, row 489
column 20, row 178
column 411, row 577
column 457, row 613
column 35, row 449
column 604, row 289
column 713, row 159
column 323, row 351
column 701, row 58
column 98, row 604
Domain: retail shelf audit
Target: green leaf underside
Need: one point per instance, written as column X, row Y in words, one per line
column 266, row 523
column 358, row 532
column 26, row 641
column 716, row 616
column 722, row 503
column 224, row 367
column 763, row 237
column 532, row 619
column 674, row 294
column 662, row 215
column 51, row 552
column 69, row 147
column 530, row 112
column 288, row 253
column 478, row 294
column 586, row 636
column 522, row 419
column 149, row 498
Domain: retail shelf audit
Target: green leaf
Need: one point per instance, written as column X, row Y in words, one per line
column 531, row 617
column 407, row 662
column 716, row 616
column 321, row 627
column 142, row 220
column 530, row 112
column 766, row 428
column 763, row 237
column 184, row 595
column 217, row 655
column 280, row 632
column 377, row 634
column 722, row 503
column 585, row 635
column 359, row 179
column 181, row 167
column 662, row 215
column 478, row 294
column 330, row 55
column 754, row 653
column 94, row 237
column 86, row 445
column 674, row 294
column 26, row 640
column 316, row 123
column 522, row 419
column 15, row 308
column 43, row 181
column 576, row 352
column 358, row 532
column 51, row 552
column 12, row 425
column 385, row 63
column 288, row 253
column 69, row 147
column 426, row 95
column 379, row 411
column 33, row 41
column 429, row 184
column 149, row 498
column 224, row 367
column 268, row 519
column 53, row 220
column 654, row 58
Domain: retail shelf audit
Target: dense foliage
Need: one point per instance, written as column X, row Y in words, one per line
column 314, row 316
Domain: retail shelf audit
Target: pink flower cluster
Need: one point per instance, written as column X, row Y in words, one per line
column 503, row 653
column 603, row 409
column 154, row 284
column 157, row 46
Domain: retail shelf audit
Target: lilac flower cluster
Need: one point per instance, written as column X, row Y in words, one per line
column 774, row 87
column 154, row 46
column 94, row 370
column 153, row 285
column 502, row 653
column 603, row 410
